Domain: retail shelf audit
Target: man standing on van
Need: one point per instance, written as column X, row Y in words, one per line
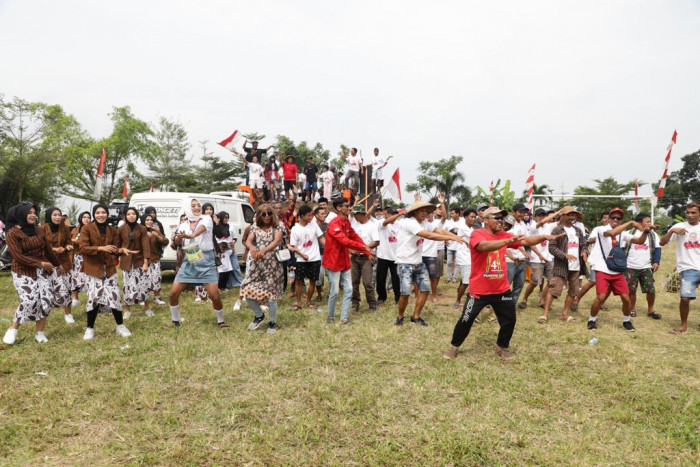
column 252, row 152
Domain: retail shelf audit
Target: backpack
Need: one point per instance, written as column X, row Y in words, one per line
column 616, row 259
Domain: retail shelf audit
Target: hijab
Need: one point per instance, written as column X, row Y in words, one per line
column 132, row 225
column 47, row 219
column 222, row 230
column 143, row 221
column 17, row 215
column 208, row 205
column 80, row 217
column 190, row 216
column 103, row 226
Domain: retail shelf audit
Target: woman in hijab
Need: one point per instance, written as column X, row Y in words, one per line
column 132, row 236
column 151, row 211
column 58, row 235
column 224, row 236
column 199, row 290
column 196, row 237
column 78, row 281
column 155, row 240
column 33, row 263
column 98, row 243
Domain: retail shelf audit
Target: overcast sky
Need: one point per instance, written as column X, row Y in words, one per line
column 583, row 89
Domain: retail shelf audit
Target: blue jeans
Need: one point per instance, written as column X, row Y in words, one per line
column 451, row 256
column 271, row 304
column 690, row 278
column 336, row 279
column 516, row 278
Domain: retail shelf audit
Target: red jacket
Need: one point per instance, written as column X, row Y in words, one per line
column 340, row 238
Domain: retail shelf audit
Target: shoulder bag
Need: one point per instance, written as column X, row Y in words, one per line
column 616, row 259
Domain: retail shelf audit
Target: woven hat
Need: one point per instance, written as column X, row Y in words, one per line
column 568, row 209
column 494, row 211
column 419, row 205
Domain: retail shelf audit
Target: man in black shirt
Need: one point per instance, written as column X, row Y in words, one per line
column 311, row 171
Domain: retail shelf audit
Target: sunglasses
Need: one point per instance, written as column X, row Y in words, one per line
column 496, row 218
column 266, row 214
column 615, row 218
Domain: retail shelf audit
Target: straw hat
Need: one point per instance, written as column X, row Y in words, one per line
column 568, row 209
column 419, row 205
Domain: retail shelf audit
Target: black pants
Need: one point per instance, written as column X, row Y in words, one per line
column 224, row 278
column 384, row 266
column 92, row 317
column 504, row 307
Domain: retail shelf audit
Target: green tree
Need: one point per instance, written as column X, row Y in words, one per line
column 442, row 176
column 215, row 174
column 682, row 185
column 502, row 196
column 130, row 142
column 592, row 208
column 34, row 141
column 170, row 167
column 302, row 151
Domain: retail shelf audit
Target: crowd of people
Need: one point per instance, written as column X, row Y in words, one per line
column 494, row 255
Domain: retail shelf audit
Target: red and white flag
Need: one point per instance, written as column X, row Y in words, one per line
column 127, row 188
column 636, row 192
column 151, row 187
column 100, row 174
column 491, row 187
column 394, row 186
column 662, row 183
column 232, row 141
column 530, row 184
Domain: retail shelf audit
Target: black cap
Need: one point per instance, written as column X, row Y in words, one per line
column 540, row 212
column 520, row 207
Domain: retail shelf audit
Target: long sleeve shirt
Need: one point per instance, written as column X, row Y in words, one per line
column 340, row 238
column 29, row 252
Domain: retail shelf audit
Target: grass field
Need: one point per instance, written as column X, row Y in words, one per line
column 370, row 393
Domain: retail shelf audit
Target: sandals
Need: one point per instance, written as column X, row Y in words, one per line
column 677, row 331
column 296, row 307
column 654, row 315
column 569, row 319
column 223, row 325
column 542, row 319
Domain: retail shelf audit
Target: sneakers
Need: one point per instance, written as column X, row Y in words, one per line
column 149, row 313
column 10, row 336
column 654, row 315
column 522, row 305
column 272, row 327
column 74, row 303
column 399, row 321
column 419, row 320
column 330, row 320
column 158, row 301
column 40, row 337
column 236, row 306
column 89, row 334
column 257, row 322
column 628, row 325
column 69, row 318
column 199, row 300
column 123, row 331
column 503, row 353
column 592, row 325
column 127, row 314
column 451, row 353
column 345, row 321
column 264, row 308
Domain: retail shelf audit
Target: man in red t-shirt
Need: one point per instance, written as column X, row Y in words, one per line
column 290, row 170
column 488, row 281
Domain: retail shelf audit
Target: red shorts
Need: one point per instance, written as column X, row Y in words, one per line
column 615, row 282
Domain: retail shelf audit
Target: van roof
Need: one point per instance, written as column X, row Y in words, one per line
column 160, row 195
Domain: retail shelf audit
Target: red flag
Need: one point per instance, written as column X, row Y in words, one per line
column 151, row 187
column 394, row 186
column 662, row 182
column 636, row 192
column 530, row 183
column 231, row 141
column 127, row 188
column 100, row 174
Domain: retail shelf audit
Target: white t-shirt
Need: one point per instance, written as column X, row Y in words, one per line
column 306, row 240
column 377, row 162
column 255, row 170
column 331, row 215
column 687, row 247
column 226, row 265
column 354, row 163
column 367, row 231
column 430, row 247
column 572, row 248
column 518, row 229
column 302, row 179
column 449, row 225
column 639, row 256
column 410, row 246
column 388, row 240
column 464, row 256
column 205, row 240
column 327, row 178
column 542, row 247
column 598, row 261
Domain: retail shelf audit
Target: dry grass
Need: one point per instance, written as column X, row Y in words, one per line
column 370, row 393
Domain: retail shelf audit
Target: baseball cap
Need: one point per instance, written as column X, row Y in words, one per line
column 519, row 207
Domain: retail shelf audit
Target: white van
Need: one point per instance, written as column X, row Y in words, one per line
column 170, row 205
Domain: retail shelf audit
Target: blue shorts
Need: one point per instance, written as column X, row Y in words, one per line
column 690, row 278
column 311, row 186
column 431, row 265
column 410, row 274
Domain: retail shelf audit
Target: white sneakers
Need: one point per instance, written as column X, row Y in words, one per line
column 10, row 336
column 150, row 313
column 89, row 334
column 237, row 305
column 69, row 318
column 123, row 331
column 127, row 314
column 158, row 301
column 40, row 337
column 75, row 303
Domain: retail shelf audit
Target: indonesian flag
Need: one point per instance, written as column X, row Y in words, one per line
column 394, row 186
column 127, row 188
column 530, row 183
column 100, row 174
column 662, row 183
column 636, row 192
column 491, row 193
column 151, row 187
column 232, row 141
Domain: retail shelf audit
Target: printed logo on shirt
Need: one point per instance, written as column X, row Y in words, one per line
column 572, row 245
column 393, row 239
column 306, row 244
column 693, row 243
column 419, row 242
column 641, row 246
column 494, row 268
